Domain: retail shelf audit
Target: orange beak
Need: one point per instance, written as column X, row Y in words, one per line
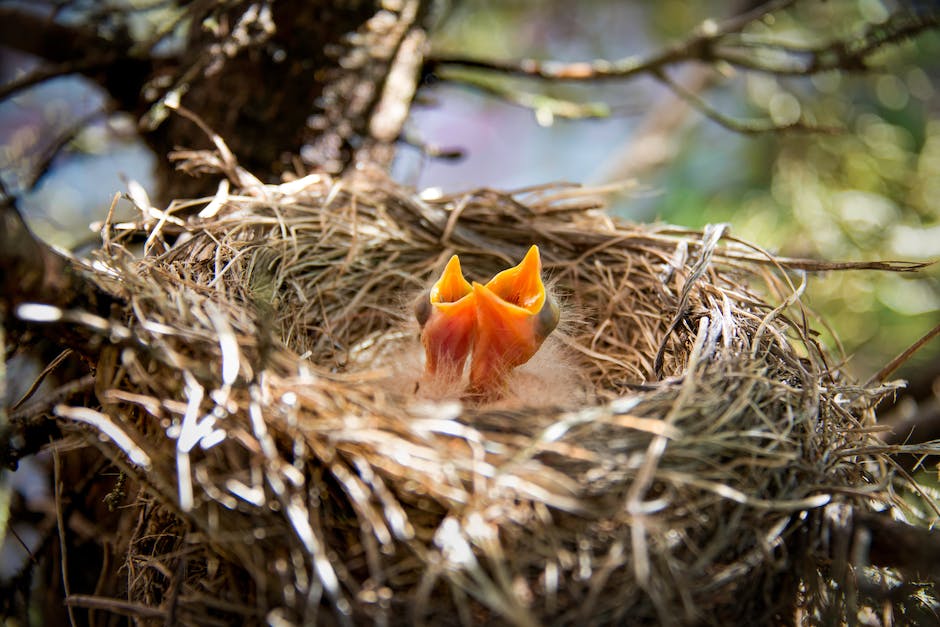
column 514, row 315
column 447, row 315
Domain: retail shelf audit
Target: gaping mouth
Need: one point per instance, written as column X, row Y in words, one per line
column 448, row 317
column 514, row 316
column 501, row 324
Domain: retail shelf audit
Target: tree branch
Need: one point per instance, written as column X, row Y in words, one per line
column 855, row 539
column 705, row 45
column 44, row 74
column 32, row 272
column 745, row 127
column 58, row 144
column 111, row 63
column 893, row 544
column 711, row 43
column 47, row 39
column 698, row 46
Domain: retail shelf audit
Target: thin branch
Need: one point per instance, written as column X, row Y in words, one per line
column 698, row 46
column 43, row 74
column 849, row 55
column 709, row 44
column 745, row 127
column 31, row 271
column 115, row 606
column 898, row 361
column 894, row 544
column 63, row 140
column 433, row 151
column 26, row 415
column 41, row 377
column 43, row 37
column 556, row 107
column 859, row 538
column 63, row 544
column 111, row 62
column 901, row 26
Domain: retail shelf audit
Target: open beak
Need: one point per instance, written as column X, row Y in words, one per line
column 514, row 316
column 447, row 315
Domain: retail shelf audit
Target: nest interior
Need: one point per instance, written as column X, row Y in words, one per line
column 251, row 388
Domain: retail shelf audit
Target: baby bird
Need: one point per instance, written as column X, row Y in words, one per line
column 447, row 316
column 500, row 325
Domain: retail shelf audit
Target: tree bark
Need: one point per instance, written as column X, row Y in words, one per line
column 289, row 86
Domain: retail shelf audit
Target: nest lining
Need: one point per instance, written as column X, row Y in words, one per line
column 291, row 483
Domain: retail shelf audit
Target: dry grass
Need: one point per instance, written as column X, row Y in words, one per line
column 284, row 480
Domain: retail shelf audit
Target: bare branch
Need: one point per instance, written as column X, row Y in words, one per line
column 32, row 272
column 898, row 545
column 898, row 361
column 74, row 49
column 745, row 127
column 851, row 54
column 540, row 103
column 44, row 74
column 59, row 143
column 447, row 153
column 41, row 36
column 698, row 46
column 709, row 44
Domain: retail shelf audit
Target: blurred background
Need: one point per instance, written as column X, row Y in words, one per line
column 869, row 192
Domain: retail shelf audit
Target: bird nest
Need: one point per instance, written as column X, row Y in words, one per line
column 674, row 457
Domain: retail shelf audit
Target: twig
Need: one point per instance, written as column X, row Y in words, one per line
column 66, row 587
column 44, row 74
column 697, row 46
column 51, row 152
column 54, row 397
column 896, row 363
column 849, row 54
column 411, row 138
column 109, row 61
column 704, row 45
column 745, row 127
column 708, row 45
column 542, row 104
column 41, row 377
column 116, row 606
